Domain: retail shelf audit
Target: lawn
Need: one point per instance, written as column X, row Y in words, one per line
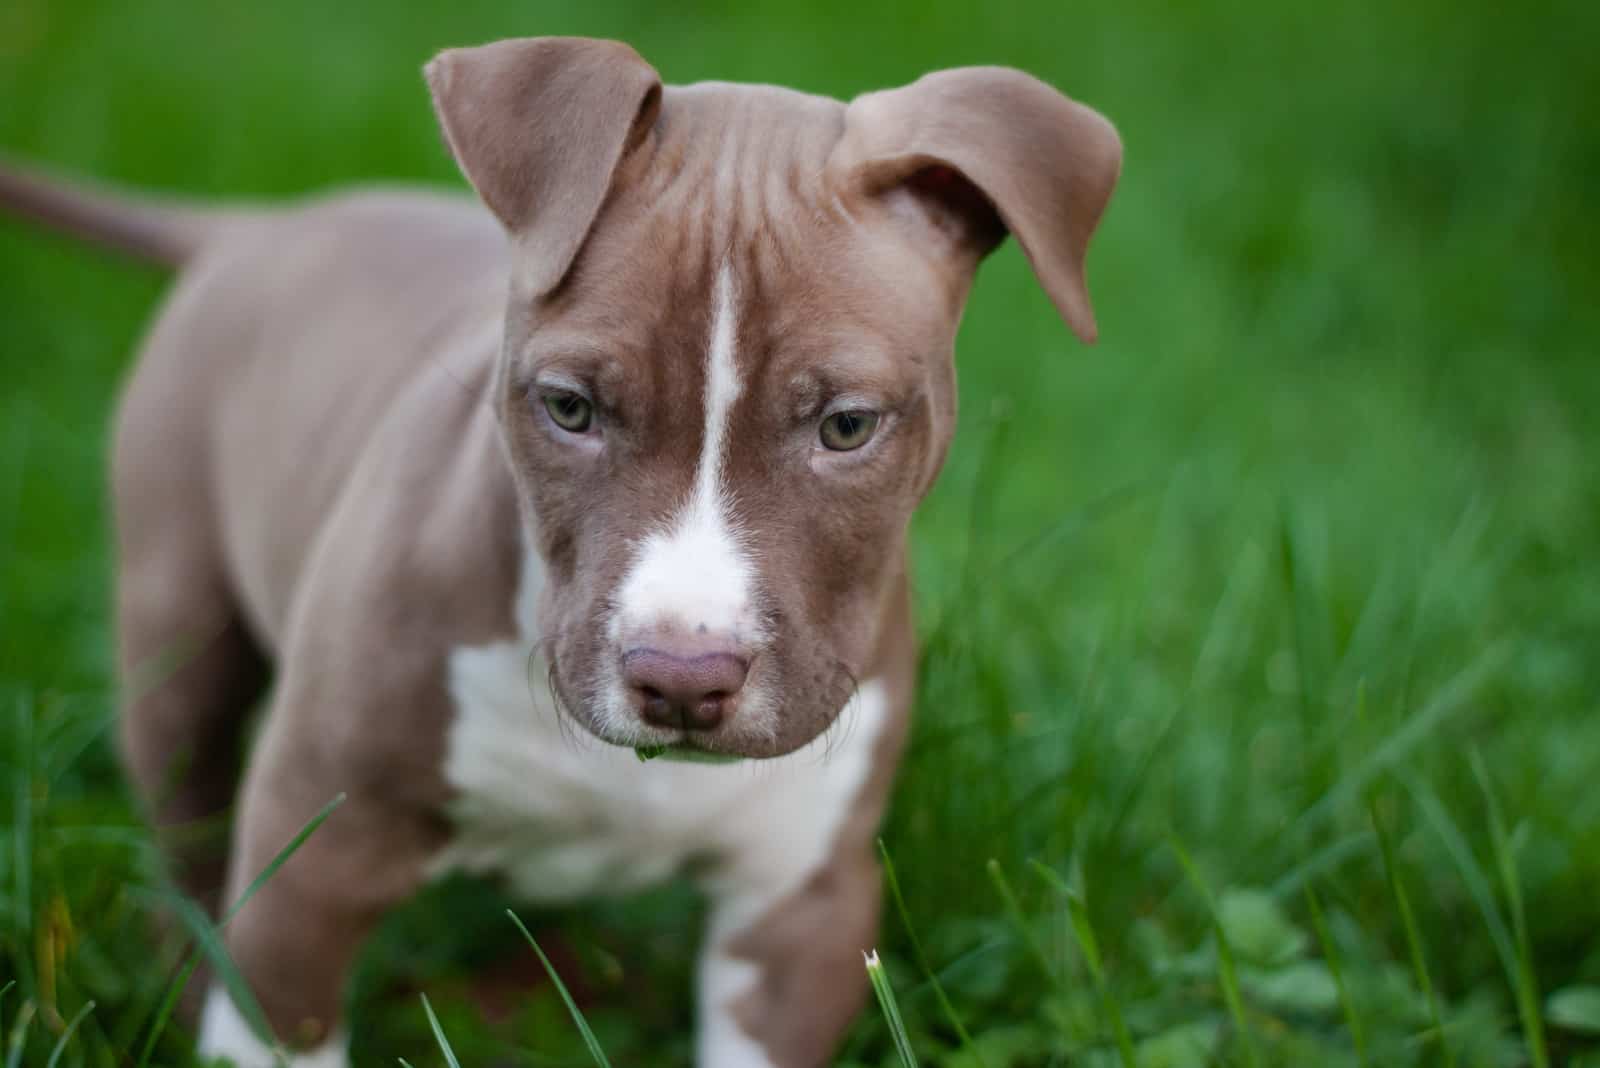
column 1260, row 706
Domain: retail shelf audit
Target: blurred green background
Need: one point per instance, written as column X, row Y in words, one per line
column 1294, row 575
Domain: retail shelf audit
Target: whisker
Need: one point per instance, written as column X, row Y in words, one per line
column 839, row 730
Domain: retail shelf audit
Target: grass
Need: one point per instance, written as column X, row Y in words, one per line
column 578, row 1018
column 1318, row 521
column 1330, row 955
column 1089, row 946
column 883, row 990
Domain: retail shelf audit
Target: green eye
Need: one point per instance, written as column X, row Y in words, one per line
column 847, row 431
column 572, row 412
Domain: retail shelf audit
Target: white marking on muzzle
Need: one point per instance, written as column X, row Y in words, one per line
column 695, row 573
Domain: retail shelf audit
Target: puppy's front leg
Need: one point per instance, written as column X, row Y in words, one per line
column 781, row 981
column 295, row 939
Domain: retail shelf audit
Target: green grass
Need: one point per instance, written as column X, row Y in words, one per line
column 1316, row 522
column 595, row 1049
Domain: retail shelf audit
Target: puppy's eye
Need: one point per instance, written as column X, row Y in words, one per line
column 848, row 431
column 572, row 412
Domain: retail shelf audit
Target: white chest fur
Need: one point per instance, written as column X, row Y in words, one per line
column 563, row 815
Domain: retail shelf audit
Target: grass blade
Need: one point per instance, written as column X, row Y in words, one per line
column 209, row 944
column 1014, row 910
column 66, row 1033
column 891, row 1010
column 1449, row 699
column 1408, row 920
column 283, row 856
column 438, row 1034
column 1526, row 983
column 1294, row 581
column 1078, row 909
column 939, row 994
column 169, row 1002
column 20, row 1035
column 1321, row 862
column 589, row 1040
column 1227, row 971
column 1330, row 955
column 1472, row 874
column 22, row 834
column 175, row 991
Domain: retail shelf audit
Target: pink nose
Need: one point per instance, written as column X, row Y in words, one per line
column 683, row 692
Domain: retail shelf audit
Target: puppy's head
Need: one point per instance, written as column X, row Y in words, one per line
column 727, row 373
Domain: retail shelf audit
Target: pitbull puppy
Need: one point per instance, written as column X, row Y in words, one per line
column 626, row 461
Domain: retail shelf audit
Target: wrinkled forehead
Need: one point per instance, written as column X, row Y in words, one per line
column 732, row 198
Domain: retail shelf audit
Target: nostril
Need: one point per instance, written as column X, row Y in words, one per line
column 692, row 692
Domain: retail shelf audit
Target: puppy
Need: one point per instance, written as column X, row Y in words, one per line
column 621, row 466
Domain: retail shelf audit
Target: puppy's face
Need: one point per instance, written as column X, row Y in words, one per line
column 726, row 378
column 721, row 422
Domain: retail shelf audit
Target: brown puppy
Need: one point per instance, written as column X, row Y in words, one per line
column 648, row 465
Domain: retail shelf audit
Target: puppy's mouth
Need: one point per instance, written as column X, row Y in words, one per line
column 683, row 752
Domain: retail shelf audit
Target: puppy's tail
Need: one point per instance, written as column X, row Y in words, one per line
column 145, row 228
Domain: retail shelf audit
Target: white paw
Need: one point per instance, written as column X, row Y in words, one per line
column 224, row 1034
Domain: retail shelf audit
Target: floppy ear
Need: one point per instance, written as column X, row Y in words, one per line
column 988, row 150
column 538, row 126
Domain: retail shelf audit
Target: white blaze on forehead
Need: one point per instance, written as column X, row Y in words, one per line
column 695, row 573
